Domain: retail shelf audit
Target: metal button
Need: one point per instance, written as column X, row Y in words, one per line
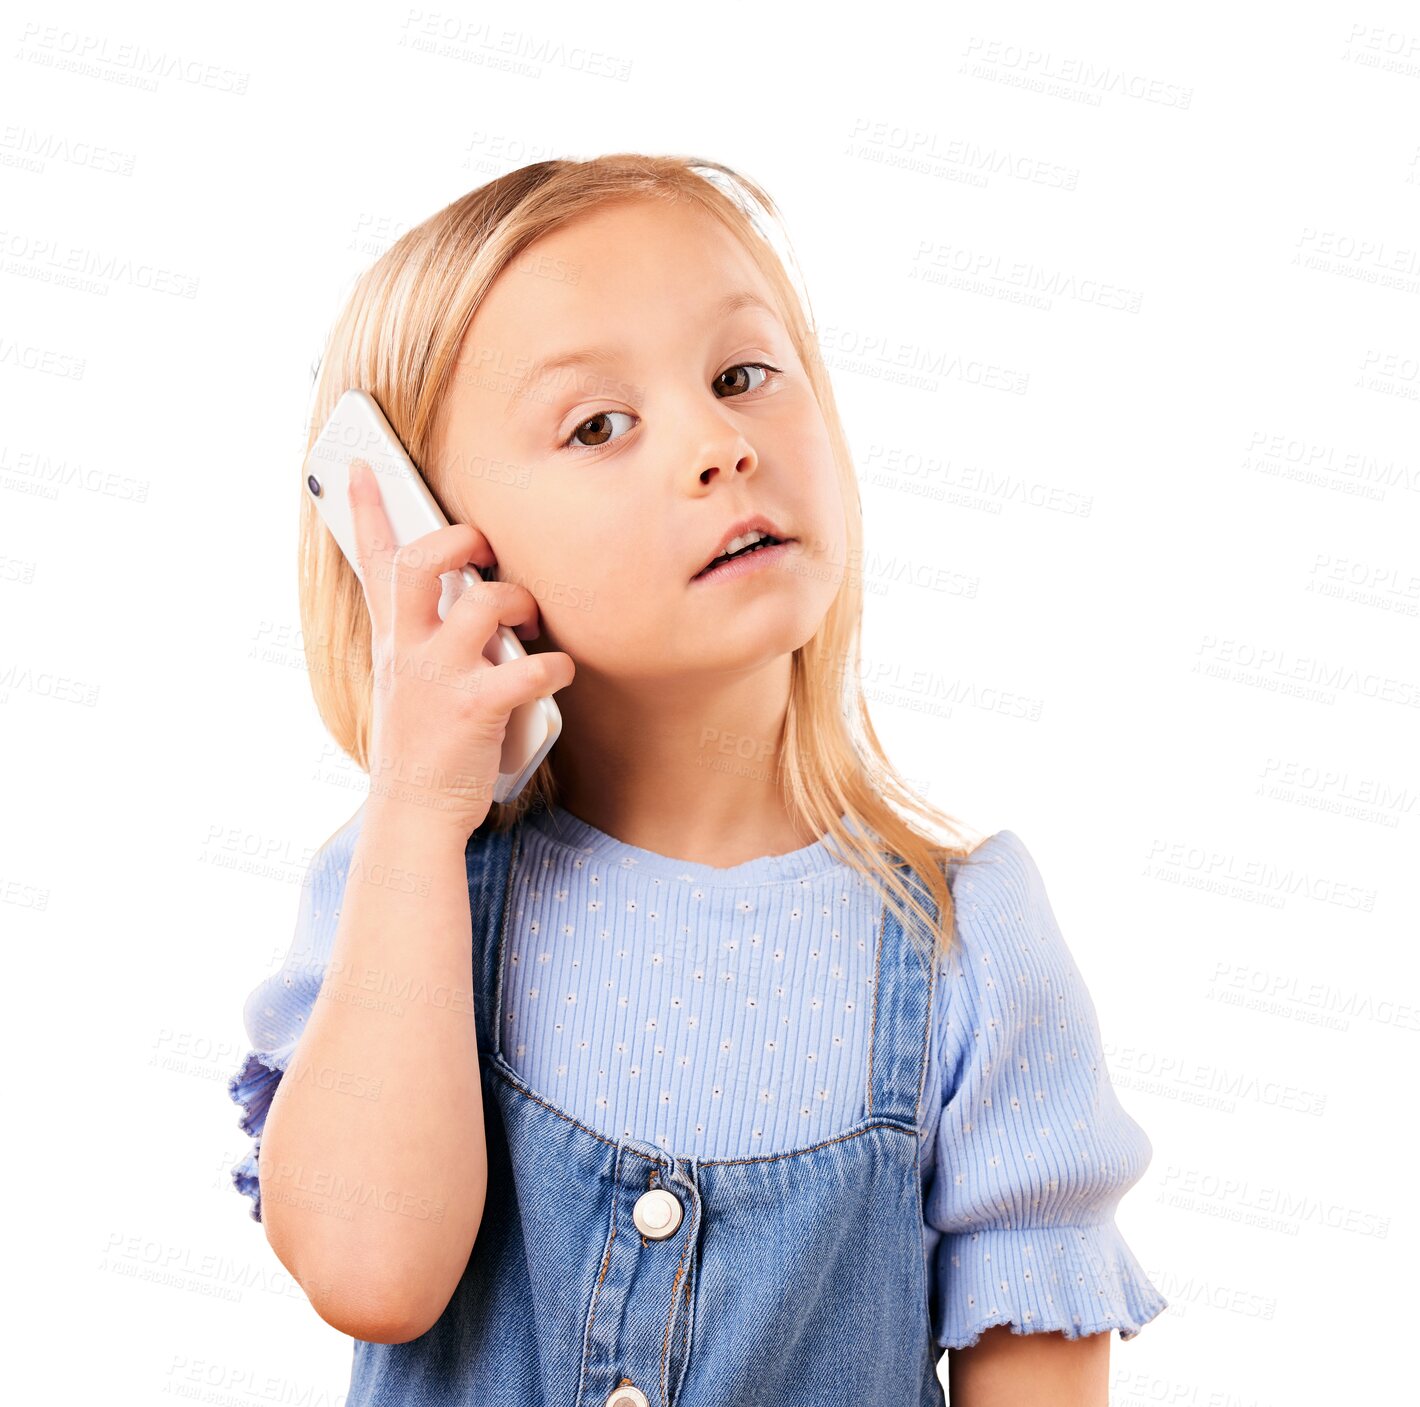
column 627, row 1396
column 656, row 1214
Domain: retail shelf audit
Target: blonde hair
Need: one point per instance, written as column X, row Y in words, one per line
column 398, row 338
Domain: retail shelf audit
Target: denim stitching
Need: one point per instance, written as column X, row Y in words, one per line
column 926, row 1043
column 877, row 993
column 670, row 1318
column 926, row 1050
column 917, row 1159
column 497, row 1042
column 650, row 1183
column 883, row 1122
column 926, row 1312
column 596, row 1290
column 922, row 1245
column 688, row 1312
column 685, row 1332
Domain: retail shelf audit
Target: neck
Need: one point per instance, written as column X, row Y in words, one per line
column 685, row 770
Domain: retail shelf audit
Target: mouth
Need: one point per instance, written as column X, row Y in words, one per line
column 747, row 538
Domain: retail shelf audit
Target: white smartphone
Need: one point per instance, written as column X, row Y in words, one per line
column 357, row 429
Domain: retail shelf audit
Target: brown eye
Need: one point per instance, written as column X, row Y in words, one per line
column 598, row 430
column 733, row 379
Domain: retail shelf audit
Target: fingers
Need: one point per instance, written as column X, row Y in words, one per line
column 374, row 543
column 417, row 568
column 402, row 587
column 508, row 686
column 482, row 608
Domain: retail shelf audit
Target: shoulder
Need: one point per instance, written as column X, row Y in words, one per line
column 1006, row 939
column 1011, row 983
column 997, row 871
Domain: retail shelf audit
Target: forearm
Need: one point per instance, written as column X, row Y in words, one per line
column 373, row 1162
column 1003, row 1369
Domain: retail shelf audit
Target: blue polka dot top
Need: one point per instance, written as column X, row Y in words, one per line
column 727, row 1012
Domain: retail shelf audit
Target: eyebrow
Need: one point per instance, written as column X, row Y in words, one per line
column 607, row 356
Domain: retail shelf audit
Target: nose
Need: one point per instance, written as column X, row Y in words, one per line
column 711, row 438
column 742, row 464
column 723, row 449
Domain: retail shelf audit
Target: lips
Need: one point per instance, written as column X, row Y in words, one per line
column 758, row 523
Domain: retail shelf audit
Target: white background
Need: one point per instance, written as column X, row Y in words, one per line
column 1160, row 264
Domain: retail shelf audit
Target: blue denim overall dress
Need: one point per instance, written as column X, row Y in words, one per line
column 612, row 1273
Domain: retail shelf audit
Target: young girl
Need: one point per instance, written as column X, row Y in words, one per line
column 696, row 1075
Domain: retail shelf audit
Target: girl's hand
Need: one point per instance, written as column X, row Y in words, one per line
column 441, row 707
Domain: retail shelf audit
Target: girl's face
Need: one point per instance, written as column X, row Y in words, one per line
column 604, row 484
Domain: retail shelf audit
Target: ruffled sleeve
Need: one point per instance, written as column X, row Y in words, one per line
column 1033, row 1151
column 275, row 1013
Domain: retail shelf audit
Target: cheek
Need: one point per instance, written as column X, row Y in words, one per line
column 607, row 622
column 599, row 591
column 818, row 493
column 808, row 437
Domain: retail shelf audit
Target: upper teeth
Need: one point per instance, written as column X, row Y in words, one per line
column 736, row 543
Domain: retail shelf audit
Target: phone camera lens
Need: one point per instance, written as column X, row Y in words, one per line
column 313, row 484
